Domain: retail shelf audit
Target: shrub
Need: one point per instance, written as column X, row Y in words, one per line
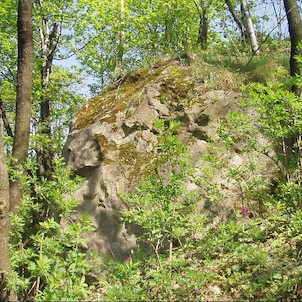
column 47, row 259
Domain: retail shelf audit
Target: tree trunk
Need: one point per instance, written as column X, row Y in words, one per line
column 245, row 35
column 250, row 27
column 49, row 41
column 44, row 154
column 203, row 25
column 237, row 19
column 5, row 266
column 278, row 14
column 23, row 99
column 295, row 31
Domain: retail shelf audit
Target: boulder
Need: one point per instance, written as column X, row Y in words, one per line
column 112, row 140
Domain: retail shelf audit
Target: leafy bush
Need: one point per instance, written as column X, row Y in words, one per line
column 47, row 258
column 256, row 259
column 279, row 114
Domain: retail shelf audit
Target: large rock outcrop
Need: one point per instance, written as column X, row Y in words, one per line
column 112, row 139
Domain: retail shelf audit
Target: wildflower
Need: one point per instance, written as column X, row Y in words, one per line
column 246, row 212
column 196, row 292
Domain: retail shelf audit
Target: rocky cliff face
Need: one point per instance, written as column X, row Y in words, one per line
column 112, row 139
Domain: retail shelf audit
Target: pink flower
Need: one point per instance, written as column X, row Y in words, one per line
column 246, row 212
column 196, row 292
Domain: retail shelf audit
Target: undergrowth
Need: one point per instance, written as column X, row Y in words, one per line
column 246, row 259
column 48, row 256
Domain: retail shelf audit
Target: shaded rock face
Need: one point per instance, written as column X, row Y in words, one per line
column 112, row 143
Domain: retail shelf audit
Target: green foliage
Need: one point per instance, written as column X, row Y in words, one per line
column 279, row 110
column 145, row 30
column 142, row 279
column 257, row 259
column 46, row 245
column 238, row 260
column 161, row 205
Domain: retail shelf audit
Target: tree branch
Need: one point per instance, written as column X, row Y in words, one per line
column 79, row 49
column 9, row 70
column 5, row 120
column 235, row 16
column 268, row 35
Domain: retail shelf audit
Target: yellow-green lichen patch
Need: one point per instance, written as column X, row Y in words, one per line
column 98, row 108
column 106, row 147
column 175, row 80
column 176, row 84
column 139, row 164
column 130, row 88
column 105, row 106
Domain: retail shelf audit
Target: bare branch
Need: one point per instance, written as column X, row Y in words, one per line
column 11, row 73
column 79, row 49
column 266, row 38
column 5, row 120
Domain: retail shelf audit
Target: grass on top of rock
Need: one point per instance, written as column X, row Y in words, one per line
column 179, row 82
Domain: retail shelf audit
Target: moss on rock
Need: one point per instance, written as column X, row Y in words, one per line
column 138, row 163
column 175, row 81
column 106, row 146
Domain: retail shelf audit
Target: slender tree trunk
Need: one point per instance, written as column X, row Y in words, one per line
column 245, row 34
column 44, row 151
column 203, row 25
column 23, row 99
column 49, row 40
column 5, row 267
column 250, row 27
column 295, row 31
column 238, row 20
column 278, row 14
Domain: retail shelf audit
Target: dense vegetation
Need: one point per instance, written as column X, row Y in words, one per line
column 254, row 255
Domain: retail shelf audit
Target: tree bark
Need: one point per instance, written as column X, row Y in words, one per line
column 5, row 266
column 237, row 19
column 203, row 25
column 295, row 31
column 250, row 27
column 49, row 37
column 23, row 98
